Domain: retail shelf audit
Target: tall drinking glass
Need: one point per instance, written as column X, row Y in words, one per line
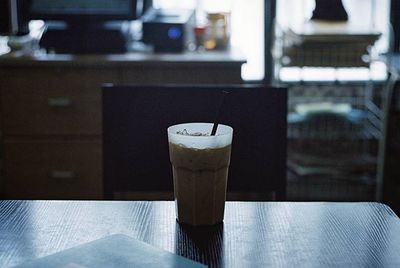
column 200, row 165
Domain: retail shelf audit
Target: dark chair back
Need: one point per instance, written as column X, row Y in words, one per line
column 135, row 145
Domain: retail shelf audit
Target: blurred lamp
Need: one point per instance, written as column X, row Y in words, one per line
column 329, row 10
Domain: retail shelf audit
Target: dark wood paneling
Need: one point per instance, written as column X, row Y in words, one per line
column 53, row 169
column 181, row 75
column 51, row 101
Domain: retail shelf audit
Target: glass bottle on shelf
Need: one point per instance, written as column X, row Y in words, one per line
column 217, row 33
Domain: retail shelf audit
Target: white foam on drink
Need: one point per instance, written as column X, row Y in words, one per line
column 186, row 133
column 182, row 134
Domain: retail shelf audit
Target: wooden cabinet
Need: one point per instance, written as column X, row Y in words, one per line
column 197, row 74
column 51, row 113
column 44, row 101
column 53, row 169
column 51, row 125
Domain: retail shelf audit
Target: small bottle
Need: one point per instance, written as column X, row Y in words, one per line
column 217, row 34
column 199, row 34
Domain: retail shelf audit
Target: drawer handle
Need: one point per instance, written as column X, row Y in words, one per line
column 59, row 102
column 62, row 174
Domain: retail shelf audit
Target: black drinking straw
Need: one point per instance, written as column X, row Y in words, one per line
column 215, row 126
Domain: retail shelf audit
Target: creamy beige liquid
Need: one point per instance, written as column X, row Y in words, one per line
column 200, row 179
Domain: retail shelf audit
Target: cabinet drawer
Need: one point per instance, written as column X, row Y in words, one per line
column 53, row 102
column 53, row 169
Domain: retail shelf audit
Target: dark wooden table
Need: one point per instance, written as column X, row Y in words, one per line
column 254, row 234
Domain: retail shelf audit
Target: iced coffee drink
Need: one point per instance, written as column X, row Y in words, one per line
column 200, row 165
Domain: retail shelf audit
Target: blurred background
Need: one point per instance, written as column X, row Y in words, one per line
column 341, row 74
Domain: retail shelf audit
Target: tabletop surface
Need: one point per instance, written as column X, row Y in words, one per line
column 254, row 234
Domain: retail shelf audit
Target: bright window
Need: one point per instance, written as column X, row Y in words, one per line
column 372, row 14
column 247, row 19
